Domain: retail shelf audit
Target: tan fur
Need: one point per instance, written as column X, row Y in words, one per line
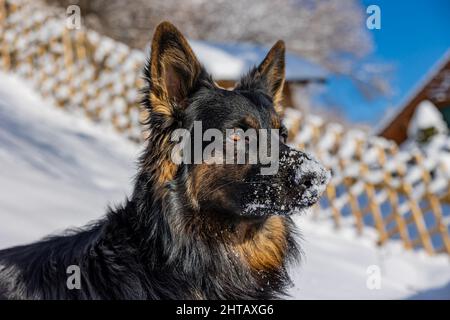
column 266, row 248
column 275, row 119
column 174, row 70
column 160, row 106
column 167, row 57
column 252, row 122
column 166, row 172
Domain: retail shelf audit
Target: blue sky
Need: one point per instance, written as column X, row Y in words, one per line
column 412, row 38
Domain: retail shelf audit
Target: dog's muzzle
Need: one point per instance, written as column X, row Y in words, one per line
column 308, row 179
column 298, row 185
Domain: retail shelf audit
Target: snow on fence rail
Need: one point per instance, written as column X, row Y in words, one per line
column 72, row 67
column 404, row 194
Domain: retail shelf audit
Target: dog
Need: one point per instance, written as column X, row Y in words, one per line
column 188, row 230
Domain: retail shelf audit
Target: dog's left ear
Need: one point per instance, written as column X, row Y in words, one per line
column 173, row 71
column 269, row 76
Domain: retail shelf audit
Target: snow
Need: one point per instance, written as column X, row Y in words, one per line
column 350, row 142
column 336, row 267
column 330, row 137
column 60, row 163
column 222, row 65
column 426, row 116
column 69, row 169
column 439, row 147
column 319, row 183
column 229, row 61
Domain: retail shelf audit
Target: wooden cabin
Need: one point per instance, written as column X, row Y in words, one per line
column 227, row 62
column 435, row 87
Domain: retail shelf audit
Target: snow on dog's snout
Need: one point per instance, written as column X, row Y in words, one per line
column 297, row 186
column 311, row 179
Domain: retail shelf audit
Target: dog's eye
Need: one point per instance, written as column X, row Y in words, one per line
column 237, row 135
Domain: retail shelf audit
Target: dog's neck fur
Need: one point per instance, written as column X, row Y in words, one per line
column 215, row 258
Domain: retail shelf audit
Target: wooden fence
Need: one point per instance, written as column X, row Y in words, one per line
column 403, row 194
column 76, row 68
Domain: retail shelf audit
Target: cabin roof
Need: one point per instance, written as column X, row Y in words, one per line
column 404, row 111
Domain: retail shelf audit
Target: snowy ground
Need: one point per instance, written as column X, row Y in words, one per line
column 56, row 169
column 59, row 170
column 337, row 265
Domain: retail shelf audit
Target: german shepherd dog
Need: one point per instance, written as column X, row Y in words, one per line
column 188, row 231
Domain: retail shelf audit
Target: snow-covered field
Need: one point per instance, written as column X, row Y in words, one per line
column 58, row 170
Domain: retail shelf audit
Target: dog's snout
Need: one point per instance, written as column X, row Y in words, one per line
column 309, row 173
column 308, row 178
column 303, row 180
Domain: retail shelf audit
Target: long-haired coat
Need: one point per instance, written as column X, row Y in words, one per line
column 188, row 231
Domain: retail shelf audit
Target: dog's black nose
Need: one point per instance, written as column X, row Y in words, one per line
column 308, row 178
column 304, row 181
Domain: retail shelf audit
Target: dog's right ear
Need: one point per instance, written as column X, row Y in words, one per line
column 173, row 71
column 269, row 76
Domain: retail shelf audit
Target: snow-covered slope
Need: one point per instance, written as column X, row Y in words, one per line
column 56, row 170
column 338, row 264
column 59, row 170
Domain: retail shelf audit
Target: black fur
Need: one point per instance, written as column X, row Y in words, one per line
column 129, row 256
column 167, row 241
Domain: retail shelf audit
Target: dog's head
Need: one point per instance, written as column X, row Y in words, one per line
column 190, row 115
